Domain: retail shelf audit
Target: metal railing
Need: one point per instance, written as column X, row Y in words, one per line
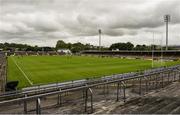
column 87, row 85
column 78, row 83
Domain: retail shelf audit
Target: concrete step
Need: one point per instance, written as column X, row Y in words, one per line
column 149, row 104
column 129, row 104
column 155, row 108
column 176, row 111
column 170, row 107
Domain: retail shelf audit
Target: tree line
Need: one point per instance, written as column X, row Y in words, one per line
column 130, row 46
column 23, row 47
column 77, row 47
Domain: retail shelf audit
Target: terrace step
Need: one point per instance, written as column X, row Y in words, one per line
column 155, row 108
column 170, row 107
column 149, row 103
column 176, row 111
column 123, row 108
column 132, row 106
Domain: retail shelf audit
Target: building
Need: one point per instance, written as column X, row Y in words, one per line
column 66, row 51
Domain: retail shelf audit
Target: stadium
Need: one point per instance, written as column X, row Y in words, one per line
column 78, row 78
column 71, row 68
column 98, row 76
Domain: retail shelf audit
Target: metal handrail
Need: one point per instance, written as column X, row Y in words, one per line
column 60, row 85
column 46, row 89
column 80, row 87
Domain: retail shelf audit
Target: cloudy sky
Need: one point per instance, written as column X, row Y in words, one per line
column 43, row 22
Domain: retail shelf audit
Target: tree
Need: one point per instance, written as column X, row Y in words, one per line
column 141, row 47
column 61, row 45
column 122, row 46
column 69, row 45
column 129, row 46
column 77, row 47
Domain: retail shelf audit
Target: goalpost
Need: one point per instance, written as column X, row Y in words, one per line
column 159, row 61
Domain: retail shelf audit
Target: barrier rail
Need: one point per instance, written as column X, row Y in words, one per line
column 78, row 83
column 88, row 85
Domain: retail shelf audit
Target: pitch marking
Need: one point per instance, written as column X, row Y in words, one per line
column 30, row 82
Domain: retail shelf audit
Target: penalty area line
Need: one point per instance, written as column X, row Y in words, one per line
column 30, row 82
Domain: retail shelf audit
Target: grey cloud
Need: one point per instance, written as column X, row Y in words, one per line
column 74, row 19
column 168, row 7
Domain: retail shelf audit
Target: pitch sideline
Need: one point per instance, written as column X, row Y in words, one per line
column 30, row 82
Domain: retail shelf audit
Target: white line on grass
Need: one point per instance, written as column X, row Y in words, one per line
column 30, row 82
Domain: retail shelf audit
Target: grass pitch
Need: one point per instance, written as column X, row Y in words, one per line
column 33, row 70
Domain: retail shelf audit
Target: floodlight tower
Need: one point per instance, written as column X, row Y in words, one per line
column 152, row 63
column 99, row 39
column 167, row 20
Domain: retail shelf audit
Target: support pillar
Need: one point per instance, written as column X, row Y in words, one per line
column 25, row 105
column 174, row 76
column 162, row 76
column 59, row 101
column 86, row 99
column 107, row 92
column 38, row 106
column 179, row 75
column 146, row 79
column 168, row 77
column 156, row 81
column 83, row 94
column 140, row 88
column 91, row 92
column 117, row 91
column 104, row 90
column 124, row 91
column 133, row 85
column 150, row 82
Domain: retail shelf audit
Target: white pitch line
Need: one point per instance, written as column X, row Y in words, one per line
column 30, row 82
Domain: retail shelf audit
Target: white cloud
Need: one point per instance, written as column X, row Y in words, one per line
column 43, row 22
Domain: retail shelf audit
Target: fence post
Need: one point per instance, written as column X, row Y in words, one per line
column 25, row 104
column 91, row 92
column 117, row 92
column 179, row 75
column 107, row 92
column 124, row 91
column 146, row 79
column 174, row 75
column 83, row 93
column 104, row 90
column 168, row 77
column 38, row 106
column 140, row 80
column 86, row 98
column 150, row 82
column 59, row 102
column 156, row 77
column 162, row 75
column 133, row 85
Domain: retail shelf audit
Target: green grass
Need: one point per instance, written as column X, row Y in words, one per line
column 48, row 69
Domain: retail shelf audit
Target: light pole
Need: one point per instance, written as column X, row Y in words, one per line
column 99, row 39
column 152, row 64
column 161, row 50
column 167, row 20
